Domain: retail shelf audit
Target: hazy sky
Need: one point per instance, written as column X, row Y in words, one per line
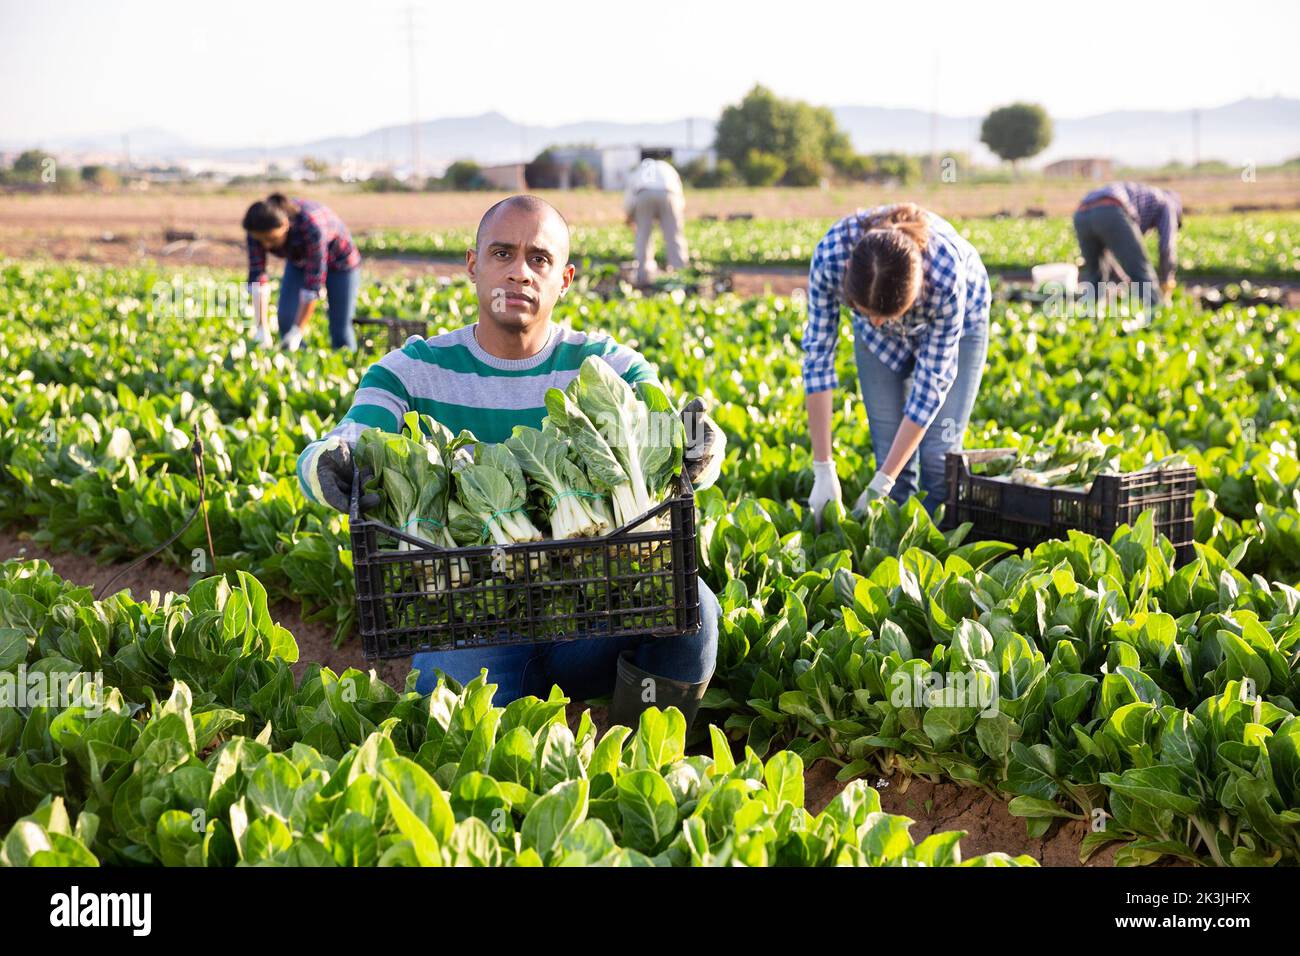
column 267, row 72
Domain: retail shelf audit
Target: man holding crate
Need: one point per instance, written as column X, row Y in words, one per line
column 489, row 377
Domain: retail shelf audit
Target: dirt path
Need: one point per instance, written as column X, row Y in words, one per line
column 217, row 212
column 949, row 806
column 315, row 641
column 145, row 251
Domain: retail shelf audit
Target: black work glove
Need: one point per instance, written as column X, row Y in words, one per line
column 706, row 445
column 330, row 475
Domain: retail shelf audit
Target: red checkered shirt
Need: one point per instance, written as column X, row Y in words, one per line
column 318, row 241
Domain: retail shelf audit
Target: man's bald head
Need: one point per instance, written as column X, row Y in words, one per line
column 527, row 205
column 520, row 265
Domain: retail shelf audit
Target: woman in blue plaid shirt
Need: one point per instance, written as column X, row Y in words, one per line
column 919, row 297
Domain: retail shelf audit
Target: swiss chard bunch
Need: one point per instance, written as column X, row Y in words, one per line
column 630, row 440
column 413, row 475
column 494, row 494
column 575, row 510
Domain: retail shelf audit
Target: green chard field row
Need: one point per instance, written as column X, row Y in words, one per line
column 186, row 742
column 1157, row 703
column 1257, row 246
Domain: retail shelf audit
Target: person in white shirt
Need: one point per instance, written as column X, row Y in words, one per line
column 654, row 194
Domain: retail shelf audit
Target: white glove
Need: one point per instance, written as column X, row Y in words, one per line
column 292, row 339
column 826, row 487
column 880, row 486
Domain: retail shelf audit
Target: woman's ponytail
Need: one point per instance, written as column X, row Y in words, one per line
column 884, row 274
column 271, row 213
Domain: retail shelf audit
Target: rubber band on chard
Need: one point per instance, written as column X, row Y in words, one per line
column 415, row 491
column 575, row 510
column 493, row 491
column 603, row 469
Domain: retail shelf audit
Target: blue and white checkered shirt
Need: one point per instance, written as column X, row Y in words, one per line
column 1150, row 208
column 954, row 299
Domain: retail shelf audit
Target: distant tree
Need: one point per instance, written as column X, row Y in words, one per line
column 33, row 166
column 582, row 175
column 898, row 167
column 464, row 175
column 384, row 183
column 316, row 166
column 694, row 171
column 1017, row 131
column 857, row 168
column 699, row 174
column 762, row 169
column 805, row 138
column 100, row 177
column 725, row 175
column 543, row 172
column 805, row 170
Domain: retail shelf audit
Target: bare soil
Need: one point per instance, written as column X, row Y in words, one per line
column 216, row 213
column 315, row 641
column 949, row 806
column 130, row 229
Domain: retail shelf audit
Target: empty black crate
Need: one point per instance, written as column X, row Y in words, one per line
column 396, row 331
column 1024, row 515
column 638, row 579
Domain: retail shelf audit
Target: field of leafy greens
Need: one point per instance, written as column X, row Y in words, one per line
column 1257, row 246
column 195, row 747
column 1159, row 704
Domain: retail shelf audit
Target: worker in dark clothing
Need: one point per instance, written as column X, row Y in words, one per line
column 1110, row 223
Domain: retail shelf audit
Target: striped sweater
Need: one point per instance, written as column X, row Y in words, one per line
column 451, row 377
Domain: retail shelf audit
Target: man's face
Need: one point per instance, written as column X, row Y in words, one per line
column 521, row 267
column 273, row 239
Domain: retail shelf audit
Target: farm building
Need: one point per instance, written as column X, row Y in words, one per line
column 1088, row 168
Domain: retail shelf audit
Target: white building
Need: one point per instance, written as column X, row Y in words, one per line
column 613, row 163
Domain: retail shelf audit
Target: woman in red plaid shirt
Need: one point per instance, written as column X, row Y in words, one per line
column 320, row 260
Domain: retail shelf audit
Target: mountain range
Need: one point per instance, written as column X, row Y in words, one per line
column 1261, row 130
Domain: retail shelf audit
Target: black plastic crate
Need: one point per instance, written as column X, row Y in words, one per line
column 634, row 580
column 396, row 330
column 1024, row 515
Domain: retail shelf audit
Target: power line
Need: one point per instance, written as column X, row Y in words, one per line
column 415, row 108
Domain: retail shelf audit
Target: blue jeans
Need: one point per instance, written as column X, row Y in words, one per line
column 884, row 392
column 341, row 301
column 584, row 668
column 1108, row 229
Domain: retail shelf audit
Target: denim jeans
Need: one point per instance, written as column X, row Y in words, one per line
column 884, row 392
column 341, row 301
column 584, row 668
column 1108, row 238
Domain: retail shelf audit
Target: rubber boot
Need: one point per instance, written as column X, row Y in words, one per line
column 636, row 691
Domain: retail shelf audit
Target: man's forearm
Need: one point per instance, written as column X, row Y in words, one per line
column 819, row 423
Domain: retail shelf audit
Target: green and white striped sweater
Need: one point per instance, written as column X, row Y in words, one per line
column 451, row 377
